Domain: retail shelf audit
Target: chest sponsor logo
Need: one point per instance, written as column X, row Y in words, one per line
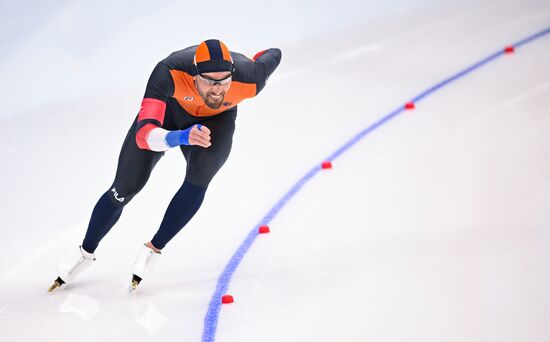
column 227, row 103
column 188, row 98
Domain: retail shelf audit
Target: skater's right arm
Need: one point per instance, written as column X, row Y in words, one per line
column 153, row 107
column 149, row 133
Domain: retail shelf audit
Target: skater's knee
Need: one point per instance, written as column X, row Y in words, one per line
column 120, row 196
column 198, row 180
column 122, row 192
column 201, row 173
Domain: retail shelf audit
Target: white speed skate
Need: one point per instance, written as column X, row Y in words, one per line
column 67, row 275
column 143, row 265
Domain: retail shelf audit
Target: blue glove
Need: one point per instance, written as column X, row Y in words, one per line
column 176, row 138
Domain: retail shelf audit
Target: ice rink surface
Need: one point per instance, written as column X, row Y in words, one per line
column 433, row 227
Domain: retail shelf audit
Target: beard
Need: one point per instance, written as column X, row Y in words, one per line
column 213, row 101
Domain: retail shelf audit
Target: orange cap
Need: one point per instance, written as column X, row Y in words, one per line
column 213, row 56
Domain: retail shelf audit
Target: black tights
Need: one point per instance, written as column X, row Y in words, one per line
column 135, row 166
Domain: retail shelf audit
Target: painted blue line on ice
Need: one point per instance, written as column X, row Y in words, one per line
column 531, row 38
column 211, row 318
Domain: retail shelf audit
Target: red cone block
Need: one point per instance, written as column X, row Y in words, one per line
column 409, row 105
column 263, row 230
column 326, row 165
column 227, row 299
column 509, row 49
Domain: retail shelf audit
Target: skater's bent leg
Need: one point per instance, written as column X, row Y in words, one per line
column 104, row 216
column 202, row 166
column 182, row 208
column 134, row 168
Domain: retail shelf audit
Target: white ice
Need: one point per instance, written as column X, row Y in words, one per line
column 435, row 227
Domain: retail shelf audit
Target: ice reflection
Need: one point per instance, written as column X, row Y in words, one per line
column 152, row 319
column 83, row 306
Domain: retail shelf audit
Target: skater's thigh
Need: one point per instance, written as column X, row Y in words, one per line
column 134, row 168
column 204, row 163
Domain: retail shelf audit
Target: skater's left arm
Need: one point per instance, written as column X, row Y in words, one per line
column 265, row 63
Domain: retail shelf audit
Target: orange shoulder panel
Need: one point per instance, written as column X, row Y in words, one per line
column 240, row 91
column 183, row 83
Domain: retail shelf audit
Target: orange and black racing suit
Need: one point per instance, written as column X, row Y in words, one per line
column 172, row 104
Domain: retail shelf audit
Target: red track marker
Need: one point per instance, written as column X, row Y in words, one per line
column 326, row 165
column 409, row 105
column 509, row 49
column 227, row 299
column 264, row 230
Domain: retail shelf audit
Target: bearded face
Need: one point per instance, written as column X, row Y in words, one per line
column 212, row 87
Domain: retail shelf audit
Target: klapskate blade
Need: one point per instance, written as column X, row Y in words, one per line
column 56, row 284
column 135, row 282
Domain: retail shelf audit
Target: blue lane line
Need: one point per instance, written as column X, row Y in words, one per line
column 211, row 318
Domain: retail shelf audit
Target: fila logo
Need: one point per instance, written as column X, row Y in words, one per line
column 227, row 103
column 115, row 194
column 188, row 98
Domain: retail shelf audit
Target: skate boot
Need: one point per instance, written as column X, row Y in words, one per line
column 143, row 265
column 67, row 275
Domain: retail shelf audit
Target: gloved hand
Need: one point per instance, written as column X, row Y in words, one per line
column 194, row 135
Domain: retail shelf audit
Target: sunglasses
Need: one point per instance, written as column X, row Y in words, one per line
column 213, row 81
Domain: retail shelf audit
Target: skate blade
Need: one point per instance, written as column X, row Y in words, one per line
column 54, row 286
column 57, row 283
column 133, row 286
column 135, row 282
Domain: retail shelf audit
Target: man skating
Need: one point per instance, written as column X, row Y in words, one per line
column 190, row 101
